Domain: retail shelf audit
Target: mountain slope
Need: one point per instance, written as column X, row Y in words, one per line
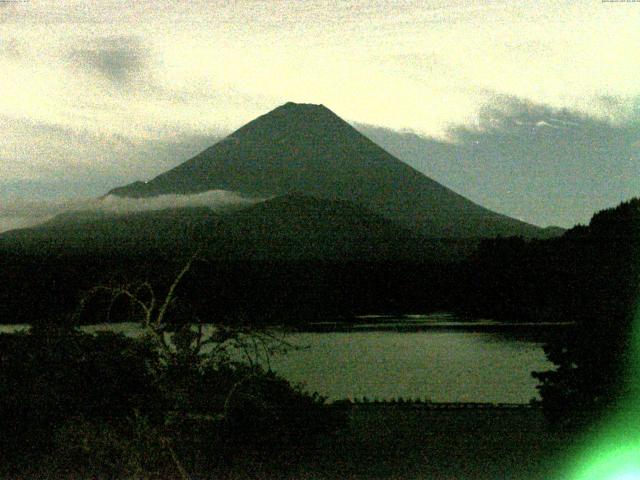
column 169, row 230
column 307, row 148
column 288, row 258
column 301, row 227
column 292, row 227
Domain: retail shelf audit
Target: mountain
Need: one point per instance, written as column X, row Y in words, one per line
column 288, row 258
column 292, row 227
column 168, row 230
column 297, row 226
column 307, row 148
column 302, row 227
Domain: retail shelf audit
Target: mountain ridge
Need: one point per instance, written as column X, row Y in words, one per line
column 292, row 227
column 308, row 148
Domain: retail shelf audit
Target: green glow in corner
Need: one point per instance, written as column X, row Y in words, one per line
column 621, row 463
column 614, row 452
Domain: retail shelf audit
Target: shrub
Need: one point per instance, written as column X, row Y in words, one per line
column 175, row 402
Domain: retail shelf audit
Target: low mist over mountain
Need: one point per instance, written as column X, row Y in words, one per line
column 308, row 149
column 292, row 227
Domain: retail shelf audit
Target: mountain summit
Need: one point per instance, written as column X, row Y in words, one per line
column 308, row 149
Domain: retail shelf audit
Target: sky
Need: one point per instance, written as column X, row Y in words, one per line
column 530, row 108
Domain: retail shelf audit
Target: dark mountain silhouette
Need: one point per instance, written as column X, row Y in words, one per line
column 307, row 148
column 168, row 230
column 297, row 226
column 292, row 227
column 302, row 227
column 288, row 258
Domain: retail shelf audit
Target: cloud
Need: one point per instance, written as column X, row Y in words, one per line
column 10, row 47
column 51, row 157
column 119, row 59
column 13, row 223
column 22, row 213
column 529, row 160
column 214, row 199
column 18, row 208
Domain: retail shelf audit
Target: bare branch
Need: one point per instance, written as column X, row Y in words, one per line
column 170, row 294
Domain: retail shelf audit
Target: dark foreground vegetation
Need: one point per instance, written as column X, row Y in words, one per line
column 74, row 405
column 80, row 406
column 591, row 276
column 178, row 403
column 175, row 402
column 42, row 286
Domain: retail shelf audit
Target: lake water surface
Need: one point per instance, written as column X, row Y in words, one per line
column 432, row 357
column 440, row 365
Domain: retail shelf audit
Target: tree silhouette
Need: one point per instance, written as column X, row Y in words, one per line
column 593, row 360
column 179, row 400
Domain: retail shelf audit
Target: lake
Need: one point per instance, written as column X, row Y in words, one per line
column 436, row 357
column 438, row 364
